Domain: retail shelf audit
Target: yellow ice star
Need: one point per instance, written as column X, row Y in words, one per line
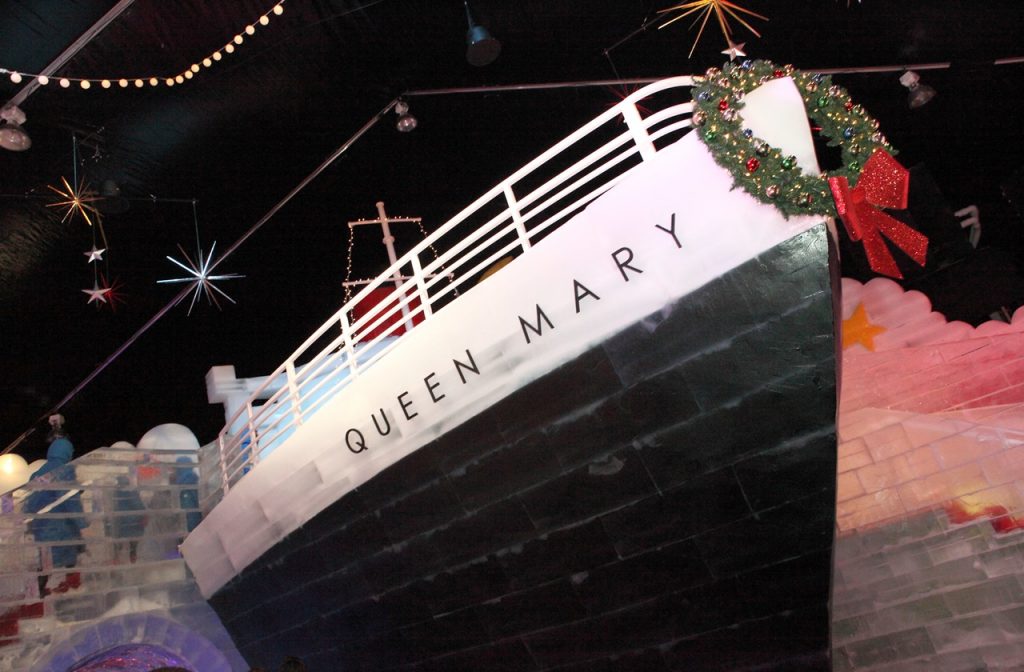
column 859, row 329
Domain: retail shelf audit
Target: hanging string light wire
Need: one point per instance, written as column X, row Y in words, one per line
column 188, row 73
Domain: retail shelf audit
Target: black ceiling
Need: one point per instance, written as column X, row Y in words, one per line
column 241, row 134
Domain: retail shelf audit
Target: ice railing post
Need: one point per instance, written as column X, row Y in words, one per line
column 421, row 287
column 517, row 217
column 250, row 453
column 293, row 389
column 222, row 459
column 638, row 130
column 350, row 351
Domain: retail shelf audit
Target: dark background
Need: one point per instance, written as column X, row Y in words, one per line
column 242, row 134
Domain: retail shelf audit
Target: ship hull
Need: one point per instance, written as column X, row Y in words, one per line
column 662, row 501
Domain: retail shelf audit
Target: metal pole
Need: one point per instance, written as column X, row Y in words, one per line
column 69, row 53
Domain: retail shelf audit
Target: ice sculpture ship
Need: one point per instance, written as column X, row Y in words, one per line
column 617, row 452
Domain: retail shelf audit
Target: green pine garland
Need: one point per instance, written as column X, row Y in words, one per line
column 763, row 171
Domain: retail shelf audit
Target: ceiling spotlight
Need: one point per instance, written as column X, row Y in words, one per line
column 12, row 135
column 919, row 93
column 481, row 48
column 406, row 122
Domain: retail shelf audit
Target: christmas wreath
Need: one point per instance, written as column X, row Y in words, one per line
column 868, row 178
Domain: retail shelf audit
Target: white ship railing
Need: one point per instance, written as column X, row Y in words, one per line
column 504, row 222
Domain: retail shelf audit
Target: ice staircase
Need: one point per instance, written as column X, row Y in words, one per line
column 129, row 586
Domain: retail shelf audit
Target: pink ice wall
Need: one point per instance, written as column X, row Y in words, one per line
column 933, row 416
column 928, row 569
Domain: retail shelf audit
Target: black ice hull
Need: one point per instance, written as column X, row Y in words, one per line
column 664, row 501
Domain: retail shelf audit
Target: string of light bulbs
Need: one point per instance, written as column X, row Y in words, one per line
column 140, row 82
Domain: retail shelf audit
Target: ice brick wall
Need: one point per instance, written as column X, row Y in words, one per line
column 926, row 594
column 896, row 463
column 129, row 586
column 930, row 550
column 663, row 502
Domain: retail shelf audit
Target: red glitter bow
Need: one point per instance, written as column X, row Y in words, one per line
column 883, row 184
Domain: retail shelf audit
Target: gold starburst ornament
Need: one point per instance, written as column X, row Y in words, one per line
column 76, row 200
column 723, row 10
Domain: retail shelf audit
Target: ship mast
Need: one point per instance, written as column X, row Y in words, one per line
column 385, row 223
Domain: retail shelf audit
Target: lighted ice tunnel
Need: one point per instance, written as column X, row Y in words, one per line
column 130, row 658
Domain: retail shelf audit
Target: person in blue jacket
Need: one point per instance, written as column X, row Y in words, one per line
column 58, row 529
column 188, row 498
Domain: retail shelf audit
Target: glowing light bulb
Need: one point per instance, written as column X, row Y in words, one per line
column 229, row 48
column 65, row 82
column 123, row 83
column 169, row 82
column 14, row 471
column 250, row 29
column 207, row 62
column 239, row 39
column 195, row 67
column 179, row 79
column 217, row 56
column 189, row 74
column 43, row 80
column 7, row 466
column 278, row 9
column 153, row 81
column 105, row 83
column 85, row 84
column 138, row 83
column 264, row 20
column 16, row 77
